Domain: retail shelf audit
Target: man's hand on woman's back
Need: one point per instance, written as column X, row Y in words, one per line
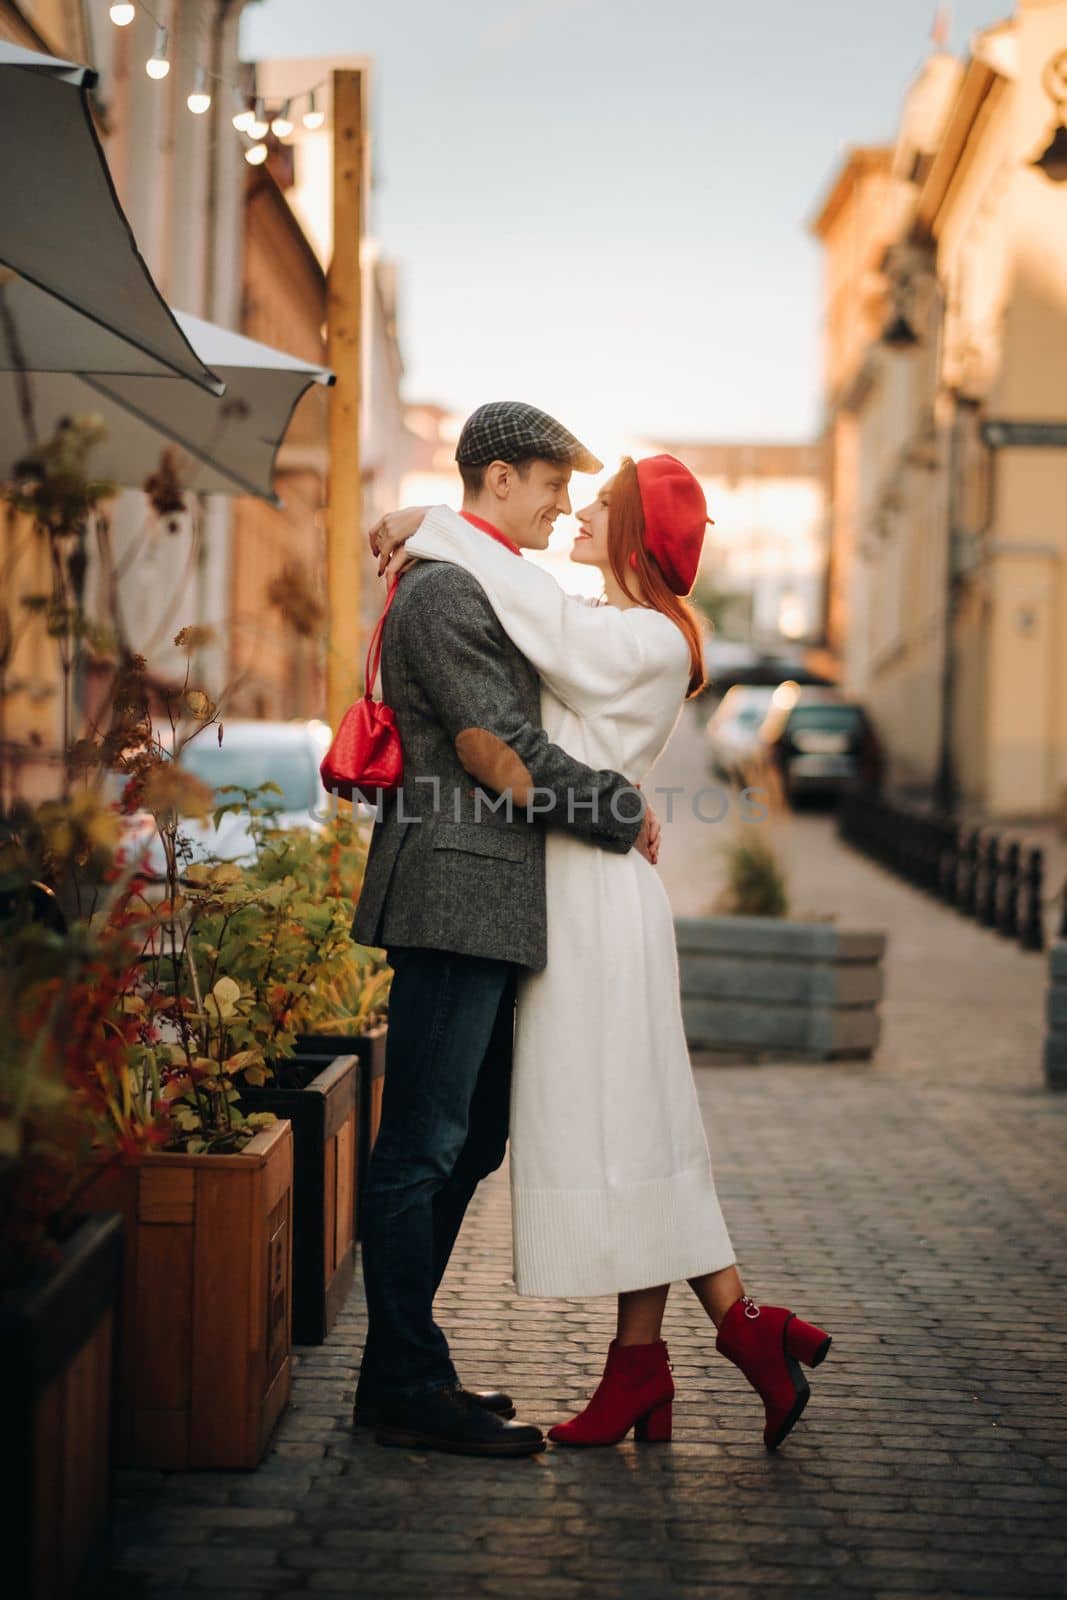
column 648, row 840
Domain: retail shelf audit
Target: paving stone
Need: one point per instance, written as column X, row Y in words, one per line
column 914, row 1204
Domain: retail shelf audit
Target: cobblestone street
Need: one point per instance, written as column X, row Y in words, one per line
column 914, row 1205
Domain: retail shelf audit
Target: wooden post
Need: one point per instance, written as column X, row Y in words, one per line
column 344, row 352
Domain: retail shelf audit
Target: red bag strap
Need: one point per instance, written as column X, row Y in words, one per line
column 374, row 650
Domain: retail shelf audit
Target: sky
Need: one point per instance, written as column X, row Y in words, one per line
column 603, row 206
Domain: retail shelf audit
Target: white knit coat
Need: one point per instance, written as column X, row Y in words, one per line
column 611, row 1180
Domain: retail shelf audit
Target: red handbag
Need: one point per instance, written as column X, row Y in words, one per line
column 366, row 752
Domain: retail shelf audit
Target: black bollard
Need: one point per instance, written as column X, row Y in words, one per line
column 987, row 893
column 1032, row 932
column 932, row 855
column 1008, row 908
column 958, row 853
column 948, row 860
column 967, row 880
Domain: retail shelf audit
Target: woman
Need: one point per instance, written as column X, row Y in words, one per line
column 612, row 1187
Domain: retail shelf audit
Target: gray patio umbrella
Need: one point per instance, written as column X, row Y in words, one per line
column 84, row 299
column 232, row 441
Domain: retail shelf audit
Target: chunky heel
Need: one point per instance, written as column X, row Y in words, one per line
column 655, row 1426
column 635, row 1392
column 804, row 1342
column 768, row 1343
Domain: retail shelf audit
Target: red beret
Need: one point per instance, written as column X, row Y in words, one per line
column 676, row 515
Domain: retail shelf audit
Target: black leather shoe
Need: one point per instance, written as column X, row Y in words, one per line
column 452, row 1420
column 365, row 1410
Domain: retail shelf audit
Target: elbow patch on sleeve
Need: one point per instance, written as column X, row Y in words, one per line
column 493, row 763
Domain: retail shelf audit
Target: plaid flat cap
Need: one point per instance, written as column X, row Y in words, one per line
column 511, row 430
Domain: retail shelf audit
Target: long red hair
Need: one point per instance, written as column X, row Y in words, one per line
column 626, row 539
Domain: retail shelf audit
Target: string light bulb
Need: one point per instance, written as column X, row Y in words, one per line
column 244, row 118
column 250, row 117
column 157, row 66
column 122, row 14
column 281, row 123
column 199, row 100
column 313, row 117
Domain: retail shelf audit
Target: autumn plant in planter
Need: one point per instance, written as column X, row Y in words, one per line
column 59, row 1268
column 208, row 1215
column 279, row 930
column 204, row 1189
column 313, row 987
column 114, row 1044
column 279, row 927
column 89, row 1125
column 344, row 1011
column 350, row 1000
column 339, row 1011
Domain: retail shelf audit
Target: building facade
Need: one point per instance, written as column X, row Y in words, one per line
column 946, row 420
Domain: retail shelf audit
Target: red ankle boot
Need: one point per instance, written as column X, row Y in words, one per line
column 635, row 1391
column 767, row 1342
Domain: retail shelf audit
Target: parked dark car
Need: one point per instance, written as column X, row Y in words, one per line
column 732, row 731
column 821, row 742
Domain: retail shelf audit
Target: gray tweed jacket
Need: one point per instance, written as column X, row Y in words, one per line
column 457, row 856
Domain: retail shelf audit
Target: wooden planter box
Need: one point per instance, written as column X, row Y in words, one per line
column 56, row 1415
column 757, row 985
column 369, row 1048
column 320, row 1100
column 204, row 1335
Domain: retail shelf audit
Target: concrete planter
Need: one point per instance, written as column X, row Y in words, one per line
column 1056, row 1039
column 756, row 984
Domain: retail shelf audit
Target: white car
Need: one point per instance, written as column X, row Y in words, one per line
column 252, row 753
column 733, row 728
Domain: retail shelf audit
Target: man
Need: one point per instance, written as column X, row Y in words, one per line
column 455, row 892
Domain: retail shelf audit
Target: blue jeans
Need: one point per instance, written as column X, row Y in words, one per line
column 444, row 1127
